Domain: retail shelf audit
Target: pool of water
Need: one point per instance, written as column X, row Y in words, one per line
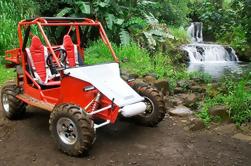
column 219, row 69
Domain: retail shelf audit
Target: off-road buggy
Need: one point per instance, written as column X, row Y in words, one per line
column 81, row 97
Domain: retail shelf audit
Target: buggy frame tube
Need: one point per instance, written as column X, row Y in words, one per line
column 102, row 124
column 48, row 44
column 100, row 110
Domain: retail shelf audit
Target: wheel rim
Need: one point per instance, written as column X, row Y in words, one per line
column 6, row 104
column 67, row 130
column 149, row 107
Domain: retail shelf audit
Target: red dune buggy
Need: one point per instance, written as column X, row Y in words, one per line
column 81, row 97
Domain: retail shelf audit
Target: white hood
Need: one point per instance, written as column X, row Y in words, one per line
column 106, row 78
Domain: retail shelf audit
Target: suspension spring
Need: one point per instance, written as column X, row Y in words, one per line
column 96, row 103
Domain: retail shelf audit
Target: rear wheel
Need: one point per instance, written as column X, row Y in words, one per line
column 155, row 109
column 12, row 107
column 72, row 129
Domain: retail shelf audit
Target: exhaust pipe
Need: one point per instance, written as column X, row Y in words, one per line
column 133, row 109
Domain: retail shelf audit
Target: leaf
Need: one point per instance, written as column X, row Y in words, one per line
column 103, row 4
column 124, row 37
column 151, row 41
column 146, row 2
column 64, row 11
column 110, row 18
column 84, row 7
column 151, row 19
column 119, row 21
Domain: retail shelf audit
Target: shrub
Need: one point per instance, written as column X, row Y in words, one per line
column 235, row 94
column 11, row 13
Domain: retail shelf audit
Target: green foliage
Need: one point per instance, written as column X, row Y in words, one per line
column 205, row 116
column 235, row 94
column 238, row 36
column 179, row 34
column 136, row 60
column 239, row 102
column 98, row 52
column 226, row 21
column 173, row 12
column 124, row 37
column 11, row 13
column 6, row 74
column 142, row 21
column 201, row 77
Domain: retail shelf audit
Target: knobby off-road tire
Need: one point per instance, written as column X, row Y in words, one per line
column 12, row 107
column 72, row 129
column 155, row 111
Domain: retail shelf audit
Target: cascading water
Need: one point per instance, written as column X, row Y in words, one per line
column 213, row 59
column 194, row 31
column 200, row 52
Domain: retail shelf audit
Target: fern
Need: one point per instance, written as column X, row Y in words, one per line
column 151, row 19
column 150, row 40
column 64, row 12
column 110, row 18
column 84, row 7
column 124, row 37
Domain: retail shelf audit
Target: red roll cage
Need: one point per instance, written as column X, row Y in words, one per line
column 17, row 56
column 14, row 55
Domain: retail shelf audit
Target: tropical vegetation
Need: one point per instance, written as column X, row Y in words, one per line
column 147, row 35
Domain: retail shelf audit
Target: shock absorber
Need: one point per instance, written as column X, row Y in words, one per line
column 96, row 102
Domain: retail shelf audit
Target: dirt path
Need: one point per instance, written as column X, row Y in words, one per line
column 28, row 142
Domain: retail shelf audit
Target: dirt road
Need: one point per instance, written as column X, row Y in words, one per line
column 28, row 142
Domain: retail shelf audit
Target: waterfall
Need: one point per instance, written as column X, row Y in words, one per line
column 194, row 31
column 200, row 52
column 210, row 53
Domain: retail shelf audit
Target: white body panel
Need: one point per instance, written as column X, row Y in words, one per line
column 106, row 78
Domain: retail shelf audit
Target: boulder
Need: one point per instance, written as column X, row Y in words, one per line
column 196, row 124
column 197, row 88
column 219, row 110
column 242, row 137
column 181, row 111
column 152, row 75
column 188, row 99
column 125, row 76
column 134, row 75
column 162, row 85
column 183, row 84
column 149, row 79
column 174, row 101
column 178, row 90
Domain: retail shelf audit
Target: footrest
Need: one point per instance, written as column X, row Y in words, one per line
column 35, row 102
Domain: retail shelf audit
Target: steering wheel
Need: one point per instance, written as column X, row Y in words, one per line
column 61, row 58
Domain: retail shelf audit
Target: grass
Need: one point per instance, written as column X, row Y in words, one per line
column 233, row 93
column 180, row 34
column 13, row 11
column 136, row 60
column 6, row 74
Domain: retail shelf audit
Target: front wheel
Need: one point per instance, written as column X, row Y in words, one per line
column 155, row 107
column 12, row 107
column 72, row 129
